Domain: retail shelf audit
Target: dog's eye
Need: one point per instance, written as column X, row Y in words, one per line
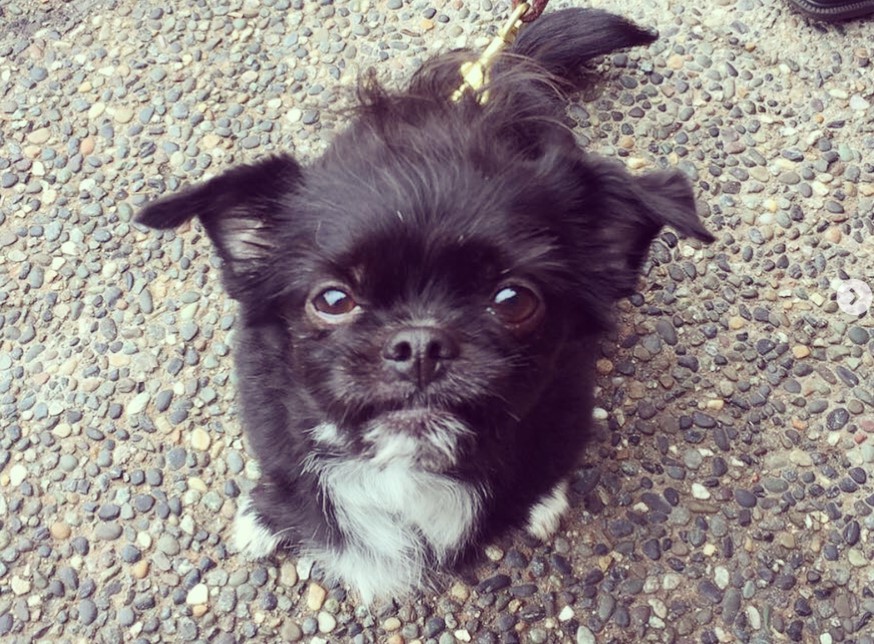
column 334, row 303
column 516, row 305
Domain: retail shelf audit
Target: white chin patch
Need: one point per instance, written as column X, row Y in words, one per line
column 422, row 440
column 250, row 537
column 544, row 518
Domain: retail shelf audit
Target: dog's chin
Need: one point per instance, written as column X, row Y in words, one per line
column 421, row 438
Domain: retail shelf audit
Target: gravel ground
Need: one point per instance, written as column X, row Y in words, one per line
column 727, row 497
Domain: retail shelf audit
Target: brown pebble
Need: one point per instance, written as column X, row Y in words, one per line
column 316, row 596
column 800, row 351
column 833, row 235
column 140, row 569
column 87, row 145
column 60, row 530
column 604, row 366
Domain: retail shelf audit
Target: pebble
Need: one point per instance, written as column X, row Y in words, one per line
column 316, row 595
column 200, row 439
column 107, row 531
column 60, row 530
column 199, row 594
column 137, row 404
column 87, row 611
column 326, row 622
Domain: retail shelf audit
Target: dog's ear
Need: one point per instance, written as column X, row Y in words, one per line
column 239, row 210
column 630, row 210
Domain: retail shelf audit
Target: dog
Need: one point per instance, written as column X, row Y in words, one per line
column 420, row 309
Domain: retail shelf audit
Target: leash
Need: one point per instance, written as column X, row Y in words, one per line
column 475, row 73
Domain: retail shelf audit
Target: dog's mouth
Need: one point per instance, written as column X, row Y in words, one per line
column 425, row 438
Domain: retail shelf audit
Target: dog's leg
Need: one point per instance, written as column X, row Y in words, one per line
column 544, row 517
column 251, row 537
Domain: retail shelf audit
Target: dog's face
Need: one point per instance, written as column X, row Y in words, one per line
column 427, row 279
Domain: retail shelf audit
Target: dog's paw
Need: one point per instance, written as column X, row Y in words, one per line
column 250, row 537
column 544, row 517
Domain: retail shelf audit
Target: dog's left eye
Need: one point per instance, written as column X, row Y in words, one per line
column 517, row 306
column 334, row 303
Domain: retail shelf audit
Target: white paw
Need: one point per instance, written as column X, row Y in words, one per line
column 249, row 537
column 545, row 516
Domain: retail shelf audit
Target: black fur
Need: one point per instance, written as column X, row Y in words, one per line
column 423, row 207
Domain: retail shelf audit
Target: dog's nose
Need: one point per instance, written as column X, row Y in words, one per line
column 419, row 354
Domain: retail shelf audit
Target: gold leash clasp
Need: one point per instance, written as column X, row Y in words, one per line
column 475, row 73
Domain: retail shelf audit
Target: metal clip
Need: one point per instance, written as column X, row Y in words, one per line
column 475, row 73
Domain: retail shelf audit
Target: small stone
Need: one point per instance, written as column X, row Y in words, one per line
column 87, row 611
column 60, row 530
column 800, row 351
column 745, row 498
column 837, row 418
column 391, row 624
column 700, row 492
column 39, row 136
column 326, row 622
column 316, row 595
column 17, row 474
column 287, row 574
column 108, row 531
column 168, row 544
column 140, row 569
column 200, row 439
column 199, row 594
column 122, row 115
column 493, row 553
column 585, row 636
column 19, row 585
column 137, row 404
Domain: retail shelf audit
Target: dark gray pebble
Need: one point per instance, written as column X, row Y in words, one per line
column 705, row 421
column 652, row 549
column 494, row 583
column 851, row 533
column 130, row 554
column 745, row 498
column 709, row 590
column 837, row 418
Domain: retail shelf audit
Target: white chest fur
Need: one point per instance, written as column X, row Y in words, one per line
column 396, row 520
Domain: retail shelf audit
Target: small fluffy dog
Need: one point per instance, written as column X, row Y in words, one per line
column 420, row 308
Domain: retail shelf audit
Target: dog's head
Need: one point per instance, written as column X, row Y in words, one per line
column 434, row 266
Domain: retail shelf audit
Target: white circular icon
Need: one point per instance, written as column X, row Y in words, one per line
column 854, row 296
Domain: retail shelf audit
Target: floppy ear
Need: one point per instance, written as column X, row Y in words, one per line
column 628, row 212
column 239, row 210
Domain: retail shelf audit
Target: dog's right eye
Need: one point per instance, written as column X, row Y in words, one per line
column 334, row 303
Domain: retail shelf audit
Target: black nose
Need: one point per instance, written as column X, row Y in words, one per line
column 419, row 354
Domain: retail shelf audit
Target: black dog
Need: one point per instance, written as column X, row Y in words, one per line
column 420, row 309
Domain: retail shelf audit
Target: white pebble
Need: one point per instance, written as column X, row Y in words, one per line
column 585, row 636
column 17, row 474
column 197, row 595
column 19, row 585
column 327, row 622
column 138, row 403
column 721, row 577
column 700, row 492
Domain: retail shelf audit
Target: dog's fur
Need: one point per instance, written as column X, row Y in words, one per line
column 420, row 308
